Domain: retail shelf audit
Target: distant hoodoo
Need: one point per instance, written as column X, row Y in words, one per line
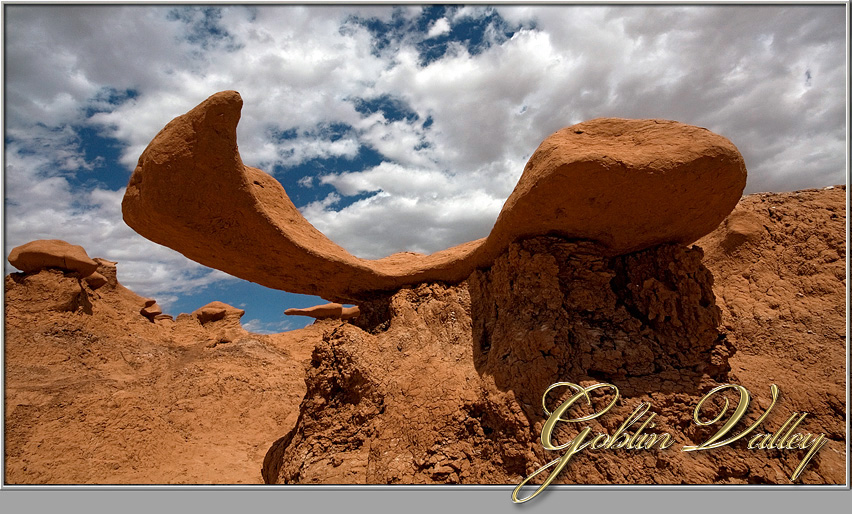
column 215, row 311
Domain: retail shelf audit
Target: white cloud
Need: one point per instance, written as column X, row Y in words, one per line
column 740, row 71
column 260, row 327
column 440, row 27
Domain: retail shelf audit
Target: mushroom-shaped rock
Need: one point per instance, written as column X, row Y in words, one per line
column 627, row 184
column 52, row 253
column 214, row 311
column 151, row 311
column 326, row 311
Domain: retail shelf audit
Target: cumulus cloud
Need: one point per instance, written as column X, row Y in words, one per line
column 451, row 122
column 439, row 28
column 260, row 327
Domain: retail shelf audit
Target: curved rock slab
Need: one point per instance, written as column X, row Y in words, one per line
column 628, row 184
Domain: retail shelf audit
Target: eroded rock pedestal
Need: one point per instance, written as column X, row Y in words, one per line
column 405, row 397
column 565, row 310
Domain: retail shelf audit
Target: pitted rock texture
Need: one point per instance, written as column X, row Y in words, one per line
column 566, row 309
column 627, row 184
column 410, row 400
column 780, row 268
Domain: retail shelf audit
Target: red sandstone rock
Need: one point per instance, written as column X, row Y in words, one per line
column 328, row 310
column 417, row 400
column 457, row 373
column 97, row 394
column 215, row 311
column 151, row 311
column 52, row 253
column 627, row 184
column 96, row 280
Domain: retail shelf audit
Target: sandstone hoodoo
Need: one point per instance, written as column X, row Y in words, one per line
column 215, row 311
column 151, row 310
column 52, row 253
column 625, row 184
column 439, row 383
column 326, row 311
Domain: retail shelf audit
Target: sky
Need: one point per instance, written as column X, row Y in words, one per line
column 391, row 128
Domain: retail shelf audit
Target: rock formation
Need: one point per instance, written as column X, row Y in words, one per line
column 52, row 253
column 626, row 184
column 586, row 277
column 326, row 311
column 442, row 384
column 96, row 280
column 97, row 394
column 151, row 310
column 436, row 383
column 215, row 311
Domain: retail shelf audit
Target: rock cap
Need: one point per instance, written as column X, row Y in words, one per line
column 52, row 253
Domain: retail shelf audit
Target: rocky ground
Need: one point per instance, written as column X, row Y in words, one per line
column 442, row 383
column 98, row 394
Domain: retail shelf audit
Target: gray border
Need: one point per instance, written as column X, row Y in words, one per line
column 493, row 498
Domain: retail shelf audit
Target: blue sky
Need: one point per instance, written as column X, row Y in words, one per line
column 391, row 128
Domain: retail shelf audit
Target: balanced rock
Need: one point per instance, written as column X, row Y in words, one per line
column 214, row 311
column 151, row 311
column 52, row 253
column 326, row 311
column 625, row 184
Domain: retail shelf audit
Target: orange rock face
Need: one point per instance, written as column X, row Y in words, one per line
column 52, row 253
column 97, row 394
column 96, row 280
column 626, row 184
column 328, row 310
